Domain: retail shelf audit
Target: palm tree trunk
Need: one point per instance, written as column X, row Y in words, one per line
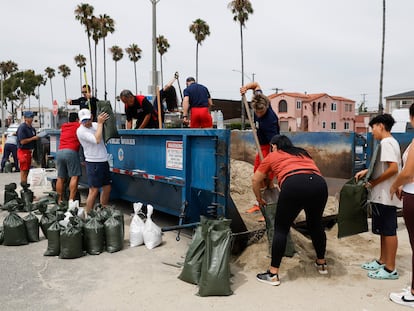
column 162, row 78
column 116, row 77
column 80, row 78
column 64, row 86
column 136, row 80
column 243, row 112
column 51, row 89
column 90, row 58
column 380, row 105
column 104, row 55
column 197, row 63
column 96, row 74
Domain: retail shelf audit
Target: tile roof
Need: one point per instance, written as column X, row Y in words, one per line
column 309, row 97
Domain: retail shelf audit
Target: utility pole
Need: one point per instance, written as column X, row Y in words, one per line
column 276, row 89
column 363, row 107
column 154, row 46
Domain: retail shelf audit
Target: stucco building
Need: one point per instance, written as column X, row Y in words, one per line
column 313, row 112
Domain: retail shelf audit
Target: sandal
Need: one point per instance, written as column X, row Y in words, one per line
column 372, row 265
column 382, row 274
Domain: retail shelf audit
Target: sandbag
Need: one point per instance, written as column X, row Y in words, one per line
column 14, row 230
column 120, row 217
column 53, row 239
column 71, row 244
column 14, row 205
column 94, row 236
column 46, row 221
column 152, row 233
column 113, row 235
column 353, row 208
column 102, row 213
column 271, row 197
column 109, row 129
column 194, row 257
column 136, row 228
column 215, row 269
column 1, row 235
column 32, row 227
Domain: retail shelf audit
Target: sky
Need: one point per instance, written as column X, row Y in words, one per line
column 313, row 46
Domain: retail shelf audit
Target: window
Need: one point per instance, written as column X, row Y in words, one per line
column 324, row 107
column 333, row 125
column 333, row 107
column 346, row 125
column 348, row 107
column 324, row 125
column 283, row 106
column 298, row 105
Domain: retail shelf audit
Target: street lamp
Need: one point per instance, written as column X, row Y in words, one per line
column 245, row 74
column 154, row 46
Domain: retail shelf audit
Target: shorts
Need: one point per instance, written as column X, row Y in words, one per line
column 200, row 118
column 98, row 174
column 68, row 163
column 384, row 219
column 25, row 158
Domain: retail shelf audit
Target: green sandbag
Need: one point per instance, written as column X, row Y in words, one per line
column 353, row 208
column 109, row 130
column 14, row 230
column 1, row 235
column 113, row 235
column 53, row 240
column 194, row 257
column 94, row 236
column 102, row 213
column 71, row 241
column 32, row 227
column 271, row 197
column 13, row 205
column 46, row 221
column 120, row 217
column 215, row 270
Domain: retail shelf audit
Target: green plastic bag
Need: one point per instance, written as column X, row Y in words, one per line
column 271, row 197
column 109, row 130
column 94, row 236
column 353, row 208
column 46, row 221
column 71, row 241
column 215, row 269
column 32, row 227
column 53, row 240
column 113, row 235
column 14, row 230
column 1, row 235
column 194, row 257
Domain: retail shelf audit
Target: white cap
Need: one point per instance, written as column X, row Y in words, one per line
column 84, row 114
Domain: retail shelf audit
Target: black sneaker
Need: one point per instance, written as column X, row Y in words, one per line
column 269, row 278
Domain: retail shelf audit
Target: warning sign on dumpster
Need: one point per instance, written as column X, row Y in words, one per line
column 174, row 154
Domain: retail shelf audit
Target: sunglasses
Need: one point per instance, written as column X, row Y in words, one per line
column 84, row 92
column 85, row 120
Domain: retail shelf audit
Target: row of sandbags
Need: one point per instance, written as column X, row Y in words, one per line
column 207, row 262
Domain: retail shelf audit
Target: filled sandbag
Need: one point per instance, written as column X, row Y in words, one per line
column 109, row 128
column 152, row 233
column 94, row 236
column 53, row 239
column 113, row 235
column 136, row 228
column 14, row 230
column 32, row 227
column 71, row 241
column 1, row 235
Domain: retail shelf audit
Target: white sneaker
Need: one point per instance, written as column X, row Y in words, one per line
column 73, row 204
column 404, row 298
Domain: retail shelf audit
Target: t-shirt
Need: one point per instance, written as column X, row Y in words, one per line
column 25, row 131
column 138, row 111
column 282, row 164
column 83, row 102
column 93, row 152
column 389, row 152
column 409, row 188
column 198, row 95
column 68, row 137
column 267, row 126
column 11, row 139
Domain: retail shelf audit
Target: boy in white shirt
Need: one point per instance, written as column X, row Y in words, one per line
column 384, row 208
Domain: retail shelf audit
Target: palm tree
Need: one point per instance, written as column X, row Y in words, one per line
column 380, row 105
column 50, row 73
column 65, row 72
column 84, row 13
column 241, row 10
column 107, row 26
column 162, row 46
column 80, row 61
column 201, row 30
column 117, row 55
column 6, row 69
column 134, row 54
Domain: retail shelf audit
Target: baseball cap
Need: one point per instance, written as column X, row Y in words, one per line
column 190, row 79
column 84, row 114
column 28, row 114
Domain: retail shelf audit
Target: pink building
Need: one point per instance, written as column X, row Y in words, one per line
column 313, row 112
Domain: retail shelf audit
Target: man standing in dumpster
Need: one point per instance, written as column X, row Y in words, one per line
column 139, row 108
column 96, row 157
column 198, row 99
column 86, row 101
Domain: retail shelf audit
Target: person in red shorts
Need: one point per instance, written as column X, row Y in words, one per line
column 26, row 142
column 267, row 126
column 198, row 99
